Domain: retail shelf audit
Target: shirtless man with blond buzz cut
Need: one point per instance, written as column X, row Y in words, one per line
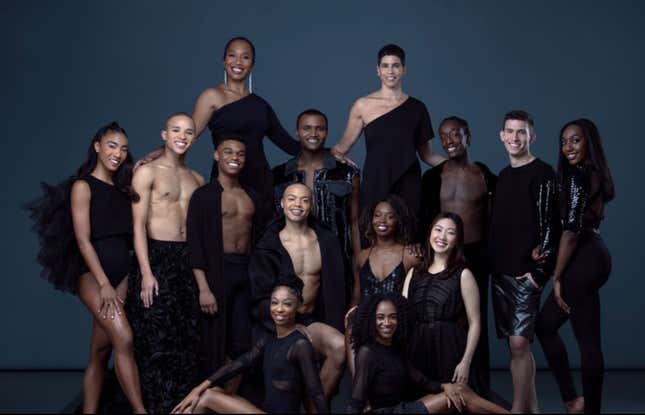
column 162, row 296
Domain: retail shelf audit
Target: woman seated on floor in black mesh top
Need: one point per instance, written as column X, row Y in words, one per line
column 287, row 364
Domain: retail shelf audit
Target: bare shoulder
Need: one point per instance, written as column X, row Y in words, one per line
column 410, row 258
column 145, row 174
column 197, row 176
column 361, row 257
column 467, row 277
column 80, row 189
column 212, row 97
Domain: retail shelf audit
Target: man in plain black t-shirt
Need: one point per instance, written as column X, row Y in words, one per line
column 523, row 235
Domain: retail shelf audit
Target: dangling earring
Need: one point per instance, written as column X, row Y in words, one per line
column 251, row 83
column 225, row 79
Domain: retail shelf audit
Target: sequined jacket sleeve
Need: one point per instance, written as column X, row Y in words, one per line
column 575, row 192
column 544, row 192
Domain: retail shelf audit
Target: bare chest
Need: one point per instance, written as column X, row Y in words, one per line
column 305, row 255
column 462, row 186
column 236, row 206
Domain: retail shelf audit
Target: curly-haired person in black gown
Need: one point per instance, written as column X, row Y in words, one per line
column 85, row 229
column 385, row 382
column 287, row 360
column 583, row 264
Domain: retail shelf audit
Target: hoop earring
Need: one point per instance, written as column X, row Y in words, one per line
column 251, row 83
column 225, row 79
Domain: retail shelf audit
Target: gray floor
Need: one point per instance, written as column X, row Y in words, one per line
column 55, row 391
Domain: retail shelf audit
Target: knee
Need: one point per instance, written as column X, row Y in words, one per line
column 100, row 352
column 210, row 398
column 337, row 350
column 123, row 341
column 519, row 346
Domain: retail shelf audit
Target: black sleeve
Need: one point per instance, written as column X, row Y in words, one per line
column 576, row 191
column 430, row 199
column 421, row 381
column 302, row 354
column 423, row 131
column 195, row 233
column 362, row 380
column 280, row 136
column 264, row 269
column 239, row 365
column 544, row 194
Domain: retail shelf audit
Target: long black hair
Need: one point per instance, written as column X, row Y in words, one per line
column 123, row 175
column 364, row 321
column 596, row 160
column 456, row 257
column 406, row 221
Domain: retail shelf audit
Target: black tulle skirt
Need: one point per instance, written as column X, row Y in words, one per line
column 61, row 261
column 166, row 335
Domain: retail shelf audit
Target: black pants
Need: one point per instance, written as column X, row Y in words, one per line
column 477, row 257
column 587, row 271
column 238, row 304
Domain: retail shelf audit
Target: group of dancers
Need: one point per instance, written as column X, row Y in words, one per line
column 294, row 274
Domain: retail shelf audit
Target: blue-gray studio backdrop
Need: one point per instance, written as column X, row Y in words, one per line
column 70, row 66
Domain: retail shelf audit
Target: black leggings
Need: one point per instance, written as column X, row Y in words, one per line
column 587, row 271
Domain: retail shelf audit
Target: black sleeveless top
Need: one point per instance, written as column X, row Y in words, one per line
column 370, row 284
column 111, row 228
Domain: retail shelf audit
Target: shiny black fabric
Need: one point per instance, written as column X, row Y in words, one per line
column 370, row 285
column 332, row 194
column 166, row 335
column 289, row 373
column 516, row 303
column 386, row 381
column 579, row 200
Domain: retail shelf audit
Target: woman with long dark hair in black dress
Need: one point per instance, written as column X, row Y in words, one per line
column 583, row 264
column 85, row 230
column 287, row 360
column 388, row 382
column 444, row 299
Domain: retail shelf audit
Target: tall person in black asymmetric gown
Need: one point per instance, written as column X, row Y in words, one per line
column 582, row 267
column 85, row 230
column 231, row 107
column 397, row 127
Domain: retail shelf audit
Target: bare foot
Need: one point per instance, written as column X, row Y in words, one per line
column 575, row 406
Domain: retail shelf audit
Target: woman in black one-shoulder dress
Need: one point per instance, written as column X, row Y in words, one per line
column 85, row 231
column 232, row 107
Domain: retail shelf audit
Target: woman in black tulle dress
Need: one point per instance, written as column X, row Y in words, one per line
column 85, row 231
column 444, row 300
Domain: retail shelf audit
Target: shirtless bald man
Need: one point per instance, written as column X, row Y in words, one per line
column 162, row 297
column 297, row 246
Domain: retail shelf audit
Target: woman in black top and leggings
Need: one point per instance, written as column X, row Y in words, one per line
column 85, row 231
column 287, row 362
column 583, row 264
